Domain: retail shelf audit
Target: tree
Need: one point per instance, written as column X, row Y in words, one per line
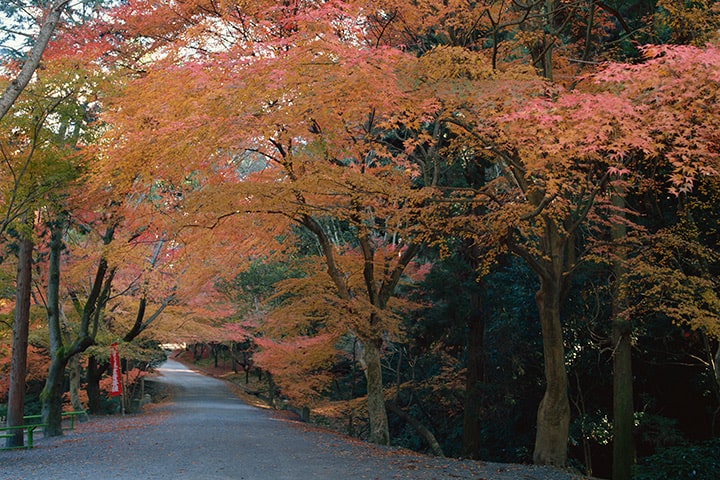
column 35, row 157
column 690, row 156
column 61, row 112
column 311, row 118
column 546, row 28
column 72, row 83
column 90, row 315
column 138, row 295
column 560, row 182
column 621, row 337
column 335, row 128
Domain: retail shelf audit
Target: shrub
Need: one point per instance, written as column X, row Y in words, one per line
column 693, row 461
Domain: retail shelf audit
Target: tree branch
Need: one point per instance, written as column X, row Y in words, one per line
column 16, row 86
column 617, row 16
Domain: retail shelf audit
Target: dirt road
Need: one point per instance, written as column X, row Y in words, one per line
column 206, row 433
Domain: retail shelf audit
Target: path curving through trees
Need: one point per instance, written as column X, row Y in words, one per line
column 207, row 433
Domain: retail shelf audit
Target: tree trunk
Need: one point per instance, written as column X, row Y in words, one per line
column 553, row 419
column 18, row 365
column 53, row 389
column 551, row 8
column 271, row 390
column 198, row 352
column 95, row 369
column 716, row 366
column 421, row 429
column 473, row 387
column 378, row 293
column 623, row 409
column 94, row 373
column 74, row 369
column 553, row 268
column 379, row 429
column 52, row 396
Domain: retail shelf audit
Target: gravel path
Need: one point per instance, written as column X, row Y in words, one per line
column 207, row 433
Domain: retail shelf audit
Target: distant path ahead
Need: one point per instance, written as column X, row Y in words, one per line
column 206, row 433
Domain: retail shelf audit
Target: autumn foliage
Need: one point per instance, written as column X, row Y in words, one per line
column 292, row 177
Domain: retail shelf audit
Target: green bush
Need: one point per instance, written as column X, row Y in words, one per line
column 694, row 461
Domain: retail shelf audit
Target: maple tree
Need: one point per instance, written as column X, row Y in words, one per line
column 560, row 181
column 74, row 76
column 90, row 314
column 689, row 154
column 142, row 275
column 343, row 139
column 68, row 85
column 512, row 156
column 343, row 133
column 686, row 22
column 687, row 162
column 38, row 161
column 543, row 208
column 59, row 117
column 541, row 228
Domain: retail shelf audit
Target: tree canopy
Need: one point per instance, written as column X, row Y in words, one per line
column 295, row 179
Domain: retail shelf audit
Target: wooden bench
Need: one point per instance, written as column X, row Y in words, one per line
column 8, row 432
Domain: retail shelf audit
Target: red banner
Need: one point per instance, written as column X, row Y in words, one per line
column 116, row 386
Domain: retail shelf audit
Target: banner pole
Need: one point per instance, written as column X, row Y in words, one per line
column 122, row 402
column 124, row 386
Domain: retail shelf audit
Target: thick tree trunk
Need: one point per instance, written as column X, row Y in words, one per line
column 94, row 373
column 52, row 396
column 378, row 292
column 553, row 419
column 379, row 430
column 18, row 365
column 553, row 269
column 471, row 438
